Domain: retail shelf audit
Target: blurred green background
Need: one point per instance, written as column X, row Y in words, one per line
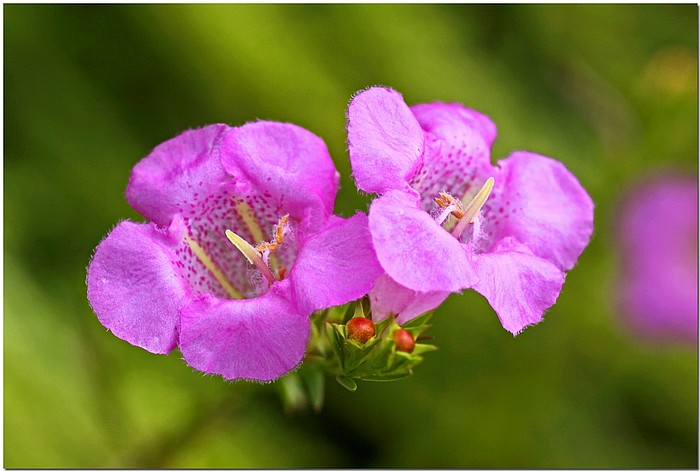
column 609, row 90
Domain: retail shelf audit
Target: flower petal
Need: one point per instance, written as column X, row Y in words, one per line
column 336, row 265
column 388, row 297
column 519, row 285
column 413, row 249
column 456, row 124
column 658, row 235
column 176, row 173
column 135, row 286
column 385, row 141
column 457, row 158
column 539, row 202
column 257, row 339
column 284, row 161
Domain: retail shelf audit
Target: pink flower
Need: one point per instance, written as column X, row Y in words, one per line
column 241, row 247
column 447, row 220
column 658, row 236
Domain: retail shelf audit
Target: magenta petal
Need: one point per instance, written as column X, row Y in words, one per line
column 336, row 265
column 385, row 141
column 135, row 288
column 413, row 249
column 164, row 183
column 519, row 285
column 540, row 203
column 282, row 160
column 456, row 124
column 457, row 158
column 257, row 339
column 388, row 297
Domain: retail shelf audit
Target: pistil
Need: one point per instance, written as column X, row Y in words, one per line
column 251, row 254
column 261, row 255
column 473, row 208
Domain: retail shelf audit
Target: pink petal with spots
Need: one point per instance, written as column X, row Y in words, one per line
column 177, row 172
column 385, row 141
column 413, row 249
column 388, row 297
column 519, row 285
column 135, row 286
column 284, row 161
column 457, row 158
column 336, row 265
column 539, row 202
column 257, row 339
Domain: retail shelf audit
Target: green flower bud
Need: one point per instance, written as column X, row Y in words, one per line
column 404, row 341
column 360, row 329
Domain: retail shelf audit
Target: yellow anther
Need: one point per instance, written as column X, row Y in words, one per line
column 473, row 208
column 279, row 235
column 266, row 246
column 211, row 266
column 251, row 254
column 445, row 200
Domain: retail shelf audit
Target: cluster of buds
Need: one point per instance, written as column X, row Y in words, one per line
column 355, row 348
column 346, row 344
column 361, row 329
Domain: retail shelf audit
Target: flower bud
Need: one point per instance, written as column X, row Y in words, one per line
column 360, row 329
column 404, row 341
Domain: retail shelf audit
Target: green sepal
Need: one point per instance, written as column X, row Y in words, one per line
column 336, row 341
column 418, row 325
column 382, row 326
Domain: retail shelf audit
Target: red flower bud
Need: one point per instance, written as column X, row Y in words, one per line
column 404, row 341
column 360, row 329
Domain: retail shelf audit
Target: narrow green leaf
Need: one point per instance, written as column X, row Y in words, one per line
column 315, row 382
column 347, row 383
column 292, row 393
column 422, row 348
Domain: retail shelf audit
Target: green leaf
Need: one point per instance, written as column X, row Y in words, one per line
column 292, row 393
column 418, row 321
column 422, row 348
column 336, row 342
column 315, row 382
column 347, row 383
column 392, row 377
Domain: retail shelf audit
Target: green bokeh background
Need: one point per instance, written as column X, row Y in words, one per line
column 609, row 90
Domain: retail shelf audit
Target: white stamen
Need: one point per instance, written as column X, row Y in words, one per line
column 445, row 214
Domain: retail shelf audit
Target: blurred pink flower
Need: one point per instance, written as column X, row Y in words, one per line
column 658, row 236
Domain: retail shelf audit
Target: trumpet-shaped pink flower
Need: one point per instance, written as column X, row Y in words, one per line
column 658, row 235
column 446, row 219
column 241, row 247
